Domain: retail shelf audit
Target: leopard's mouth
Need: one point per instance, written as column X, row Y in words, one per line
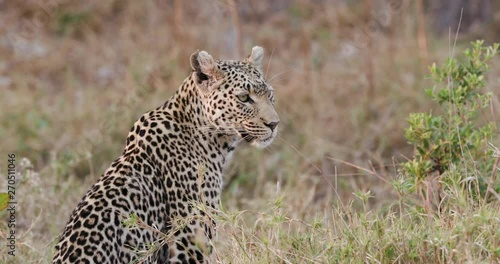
column 247, row 137
column 256, row 140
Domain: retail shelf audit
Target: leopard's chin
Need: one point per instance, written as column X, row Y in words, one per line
column 262, row 143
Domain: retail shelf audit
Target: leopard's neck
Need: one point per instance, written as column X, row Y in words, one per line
column 185, row 111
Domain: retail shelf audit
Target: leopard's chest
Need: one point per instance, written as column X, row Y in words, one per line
column 194, row 175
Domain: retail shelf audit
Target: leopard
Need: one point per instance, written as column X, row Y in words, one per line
column 167, row 183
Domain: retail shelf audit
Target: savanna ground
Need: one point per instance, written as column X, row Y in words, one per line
column 75, row 76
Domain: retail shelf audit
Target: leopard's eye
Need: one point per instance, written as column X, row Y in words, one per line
column 243, row 97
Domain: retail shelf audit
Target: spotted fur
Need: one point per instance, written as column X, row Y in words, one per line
column 170, row 173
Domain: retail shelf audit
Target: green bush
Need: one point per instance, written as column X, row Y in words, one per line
column 452, row 145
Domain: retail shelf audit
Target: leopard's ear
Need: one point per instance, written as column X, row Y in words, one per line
column 203, row 65
column 256, row 57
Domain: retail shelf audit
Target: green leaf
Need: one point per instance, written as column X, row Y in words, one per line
column 4, row 201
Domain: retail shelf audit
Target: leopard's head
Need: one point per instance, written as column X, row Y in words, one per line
column 236, row 98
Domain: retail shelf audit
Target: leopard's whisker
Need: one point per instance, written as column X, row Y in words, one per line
column 269, row 63
column 277, row 75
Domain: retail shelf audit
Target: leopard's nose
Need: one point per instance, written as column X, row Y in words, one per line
column 271, row 125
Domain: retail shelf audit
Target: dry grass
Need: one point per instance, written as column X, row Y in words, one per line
column 73, row 85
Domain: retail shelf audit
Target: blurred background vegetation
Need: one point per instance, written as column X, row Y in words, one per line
column 75, row 75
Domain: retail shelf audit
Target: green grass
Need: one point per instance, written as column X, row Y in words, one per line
column 341, row 234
